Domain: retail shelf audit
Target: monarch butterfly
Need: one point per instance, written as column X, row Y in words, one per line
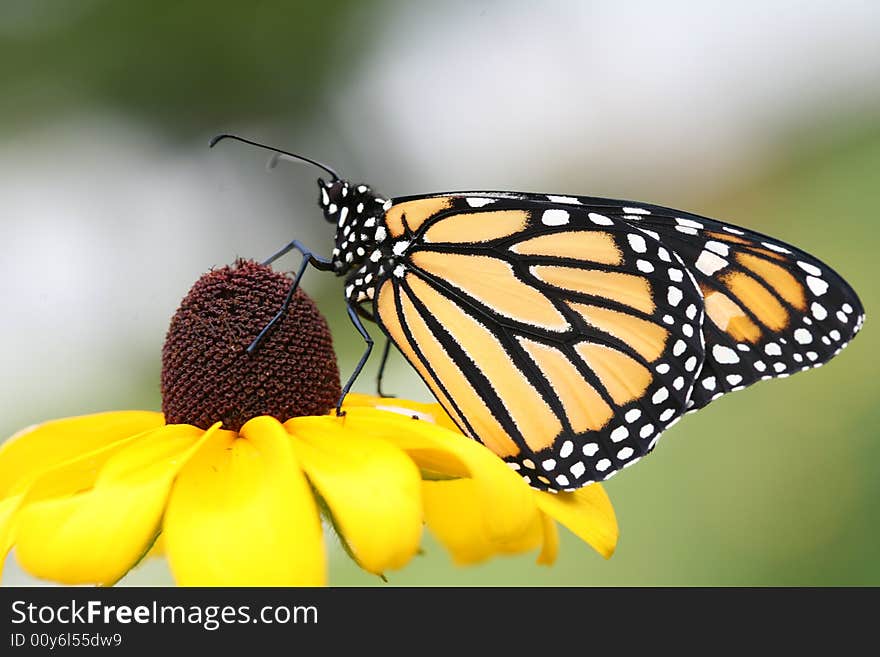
column 566, row 333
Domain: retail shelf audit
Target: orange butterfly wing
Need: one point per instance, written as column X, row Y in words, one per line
column 564, row 340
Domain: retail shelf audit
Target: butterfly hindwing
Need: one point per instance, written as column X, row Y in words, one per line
column 564, row 340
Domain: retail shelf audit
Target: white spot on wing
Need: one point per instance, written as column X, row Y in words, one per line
column 817, row 285
column 718, row 247
column 479, row 202
column 563, row 199
column 709, row 263
column 637, row 242
column 554, row 217
column 724, row 354
column 689, row 223
column 803, row 336
column 660, row 396
column 809, row 268
column 600, row 219
column 775, row 247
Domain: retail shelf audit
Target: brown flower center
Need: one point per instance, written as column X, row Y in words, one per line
column 208, row 376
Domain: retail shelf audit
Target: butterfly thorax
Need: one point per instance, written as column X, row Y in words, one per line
column 362, row 251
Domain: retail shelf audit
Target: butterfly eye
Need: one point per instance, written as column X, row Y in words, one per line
column 334, row 195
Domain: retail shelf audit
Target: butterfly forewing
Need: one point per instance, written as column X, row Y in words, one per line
column 565, row 340
column 771, row 309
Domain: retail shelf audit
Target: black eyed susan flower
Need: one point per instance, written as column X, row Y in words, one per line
column 231, row 480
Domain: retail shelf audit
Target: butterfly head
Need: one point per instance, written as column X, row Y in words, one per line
column 357, row 211
column 334, row 196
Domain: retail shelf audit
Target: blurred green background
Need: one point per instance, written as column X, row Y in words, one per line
column 763, row 114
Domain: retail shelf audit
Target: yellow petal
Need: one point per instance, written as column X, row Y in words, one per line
column 242, row 514
column 157, row 549
column 453, row 514
column 38, row 448
column 98, row 535
column 372, row 489
column 433, row 413
column 74, row 475
column 587, row 512
column 8, row 507
column 509, row 508
column 550, row 548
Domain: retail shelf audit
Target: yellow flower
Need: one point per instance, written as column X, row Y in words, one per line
column 235, row 496
column 486, row 509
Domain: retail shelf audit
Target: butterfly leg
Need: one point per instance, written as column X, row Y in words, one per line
column 353, row 315
column 381, row 373
column 309, row 258
column 324, row 264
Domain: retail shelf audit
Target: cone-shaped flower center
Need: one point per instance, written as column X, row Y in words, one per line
column 207, row 375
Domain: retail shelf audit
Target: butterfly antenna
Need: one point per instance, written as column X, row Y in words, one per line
column 278, row 152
